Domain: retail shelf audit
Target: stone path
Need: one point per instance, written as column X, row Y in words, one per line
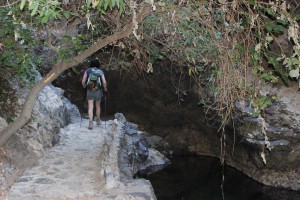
column 85, row 165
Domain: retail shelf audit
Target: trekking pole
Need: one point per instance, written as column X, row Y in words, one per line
column 84, row 97
column 105, row 94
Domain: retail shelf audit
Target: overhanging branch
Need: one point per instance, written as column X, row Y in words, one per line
column 60, row 67
column 49, row 40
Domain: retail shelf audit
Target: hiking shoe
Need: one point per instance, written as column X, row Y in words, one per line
column 90, row 125
column 98, row 121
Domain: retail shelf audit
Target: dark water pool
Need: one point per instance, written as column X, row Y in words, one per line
column 199, row 178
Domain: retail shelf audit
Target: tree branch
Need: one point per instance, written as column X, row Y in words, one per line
column 49, row 40
column 10, row 4
column 60, row 67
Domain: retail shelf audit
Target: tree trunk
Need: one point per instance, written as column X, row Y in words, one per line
column 60, row 67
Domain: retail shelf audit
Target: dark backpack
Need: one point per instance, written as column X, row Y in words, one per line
column 94, row 79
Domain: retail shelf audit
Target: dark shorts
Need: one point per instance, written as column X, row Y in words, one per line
column 94, row 95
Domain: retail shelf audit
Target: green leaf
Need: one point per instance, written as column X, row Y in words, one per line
column 297, row 52
column 67, row 15
column 35, row 8
column 278, row 69
column 8, row 42
column 270, row 11
column 264, row 103
column 42, row 11
column 122, row 6
column 106, row 4
column 273, row 61
column 44, row 20
column 252, row 51
column 297, row 17
column 31, row 6
column 278, row 28
column 75, row 14
column 89, row 3
column 110, row 4
column 269, row 26
column 282, row 22
column 295, row 61
column 240, row 47
column 113, row 3
column 199, row 69
column 251, row 2
column 22, row 4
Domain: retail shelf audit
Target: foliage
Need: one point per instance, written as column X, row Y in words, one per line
column 22, row 26
column 122, row 30
column 226, row 46
column 48, row 10
column 17, row 43
column 261, row 103
column 10, row 119
column 45, row 10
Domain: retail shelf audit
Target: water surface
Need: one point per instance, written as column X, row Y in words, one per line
column 200, row 178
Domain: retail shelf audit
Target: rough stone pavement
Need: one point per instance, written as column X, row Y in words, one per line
column 85, row 165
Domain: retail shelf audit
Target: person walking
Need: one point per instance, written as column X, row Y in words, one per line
column 93, row 80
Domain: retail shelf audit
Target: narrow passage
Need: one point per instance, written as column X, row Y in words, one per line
column 83, row 166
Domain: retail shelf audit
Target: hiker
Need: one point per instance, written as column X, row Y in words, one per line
column 93, row 80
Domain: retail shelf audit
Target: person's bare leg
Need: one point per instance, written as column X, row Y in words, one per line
column 90, row 112
column 98, row 111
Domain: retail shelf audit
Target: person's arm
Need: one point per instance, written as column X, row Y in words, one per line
column 104, row 83
column 83, row 82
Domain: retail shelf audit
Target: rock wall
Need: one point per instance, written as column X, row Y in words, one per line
column 51, row 112
column 158, row 104
column 154, row 104
column 267, row 145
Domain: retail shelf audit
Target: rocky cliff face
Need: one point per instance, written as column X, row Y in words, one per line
column 267, row 145
column 51, row 112
column 165, row 104
column 153, row 102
